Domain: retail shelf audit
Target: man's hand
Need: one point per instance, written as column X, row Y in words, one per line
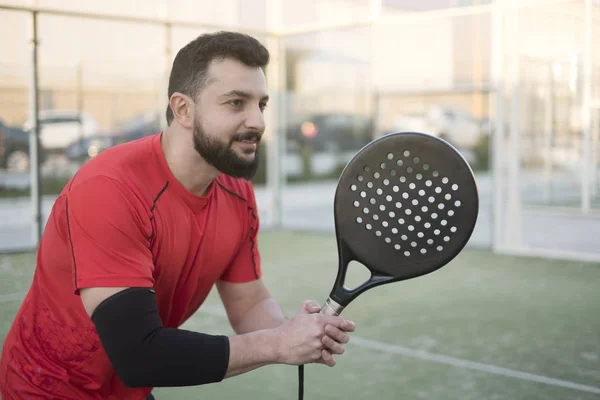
column 334, row 338
column 311, row 337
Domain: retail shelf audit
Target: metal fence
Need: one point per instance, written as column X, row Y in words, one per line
column 514, row 85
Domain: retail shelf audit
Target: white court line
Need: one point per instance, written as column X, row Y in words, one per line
column 218, row 311
column 460, row 363
column 442, row 359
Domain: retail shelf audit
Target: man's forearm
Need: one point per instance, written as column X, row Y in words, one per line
column 144, row 353
column 250, row 351
column 265, row 314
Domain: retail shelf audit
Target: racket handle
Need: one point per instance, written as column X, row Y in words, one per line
column 331, row 307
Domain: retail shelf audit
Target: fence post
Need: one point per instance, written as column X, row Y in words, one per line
column 34, row 136
column 586, row 109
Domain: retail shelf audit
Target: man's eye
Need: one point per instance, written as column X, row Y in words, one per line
column 263, row 106
column 236, row 103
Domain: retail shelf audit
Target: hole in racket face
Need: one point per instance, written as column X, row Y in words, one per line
column 425, row 200
column 356, row 275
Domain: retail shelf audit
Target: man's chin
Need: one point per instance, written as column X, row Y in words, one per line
column 245, row 166
column 247, row 174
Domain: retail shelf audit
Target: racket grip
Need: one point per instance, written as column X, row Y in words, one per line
column 331, row 307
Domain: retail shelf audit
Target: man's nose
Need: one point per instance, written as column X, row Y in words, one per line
column 255, row 120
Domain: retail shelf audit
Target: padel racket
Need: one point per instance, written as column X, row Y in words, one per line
column 405, row 205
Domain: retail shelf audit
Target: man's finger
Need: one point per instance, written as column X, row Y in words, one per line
column 313, row 307
column 310, row 304
column 348, row 326
column 332, row 345
column 327, row 358
column 337, row 334
column 310, row 307
column 338, row 322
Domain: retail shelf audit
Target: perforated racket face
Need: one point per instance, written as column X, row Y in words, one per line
column 405, row 205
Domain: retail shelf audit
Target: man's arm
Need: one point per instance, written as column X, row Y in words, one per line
column 250, row 306
column 144, row 353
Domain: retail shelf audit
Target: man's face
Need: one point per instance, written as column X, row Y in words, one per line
column 229, row 121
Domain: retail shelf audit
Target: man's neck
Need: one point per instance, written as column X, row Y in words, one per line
column 188, row 167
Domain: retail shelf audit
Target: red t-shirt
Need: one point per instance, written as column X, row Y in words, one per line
column 123, row 221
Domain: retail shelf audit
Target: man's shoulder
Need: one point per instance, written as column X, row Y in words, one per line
column 123, row 158
column 128, row 168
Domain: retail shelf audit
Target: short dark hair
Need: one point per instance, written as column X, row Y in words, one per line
column 188, row 73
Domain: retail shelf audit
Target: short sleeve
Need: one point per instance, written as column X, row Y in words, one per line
column 246, row 265
column 109, row 235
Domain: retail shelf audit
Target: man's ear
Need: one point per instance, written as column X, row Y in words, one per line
column 182, row 107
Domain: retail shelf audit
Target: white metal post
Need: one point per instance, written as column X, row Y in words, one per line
column 548, row 132
column 168, row 59
column 375, row 7
column 497, row 108
column 276, row 143
column 513, row 234
column 374, row 14
column 595, row 132
column 586, row 108
column 34, row 136
column 163, row 101
column 595, row 124
column 275, row 135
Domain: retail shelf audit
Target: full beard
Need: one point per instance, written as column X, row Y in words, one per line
column 221, row 155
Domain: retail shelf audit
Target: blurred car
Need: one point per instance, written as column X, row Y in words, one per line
column 141, row 126
column 322, row 144
column 14, row 148
column 449, row 123
column 60, row 128
column 330, row 132
column 137, row 128
column 86, row 148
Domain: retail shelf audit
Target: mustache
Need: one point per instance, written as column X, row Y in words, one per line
column 256, row 136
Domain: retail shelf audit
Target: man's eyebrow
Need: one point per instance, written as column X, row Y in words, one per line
column 241, row 93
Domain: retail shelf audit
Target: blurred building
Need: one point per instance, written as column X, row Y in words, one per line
column 117, row 69
column 506, row 78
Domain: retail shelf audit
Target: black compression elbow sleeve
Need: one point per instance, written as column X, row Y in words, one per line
column 143, row 353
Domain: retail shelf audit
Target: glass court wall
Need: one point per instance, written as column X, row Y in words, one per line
column 513, row 84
